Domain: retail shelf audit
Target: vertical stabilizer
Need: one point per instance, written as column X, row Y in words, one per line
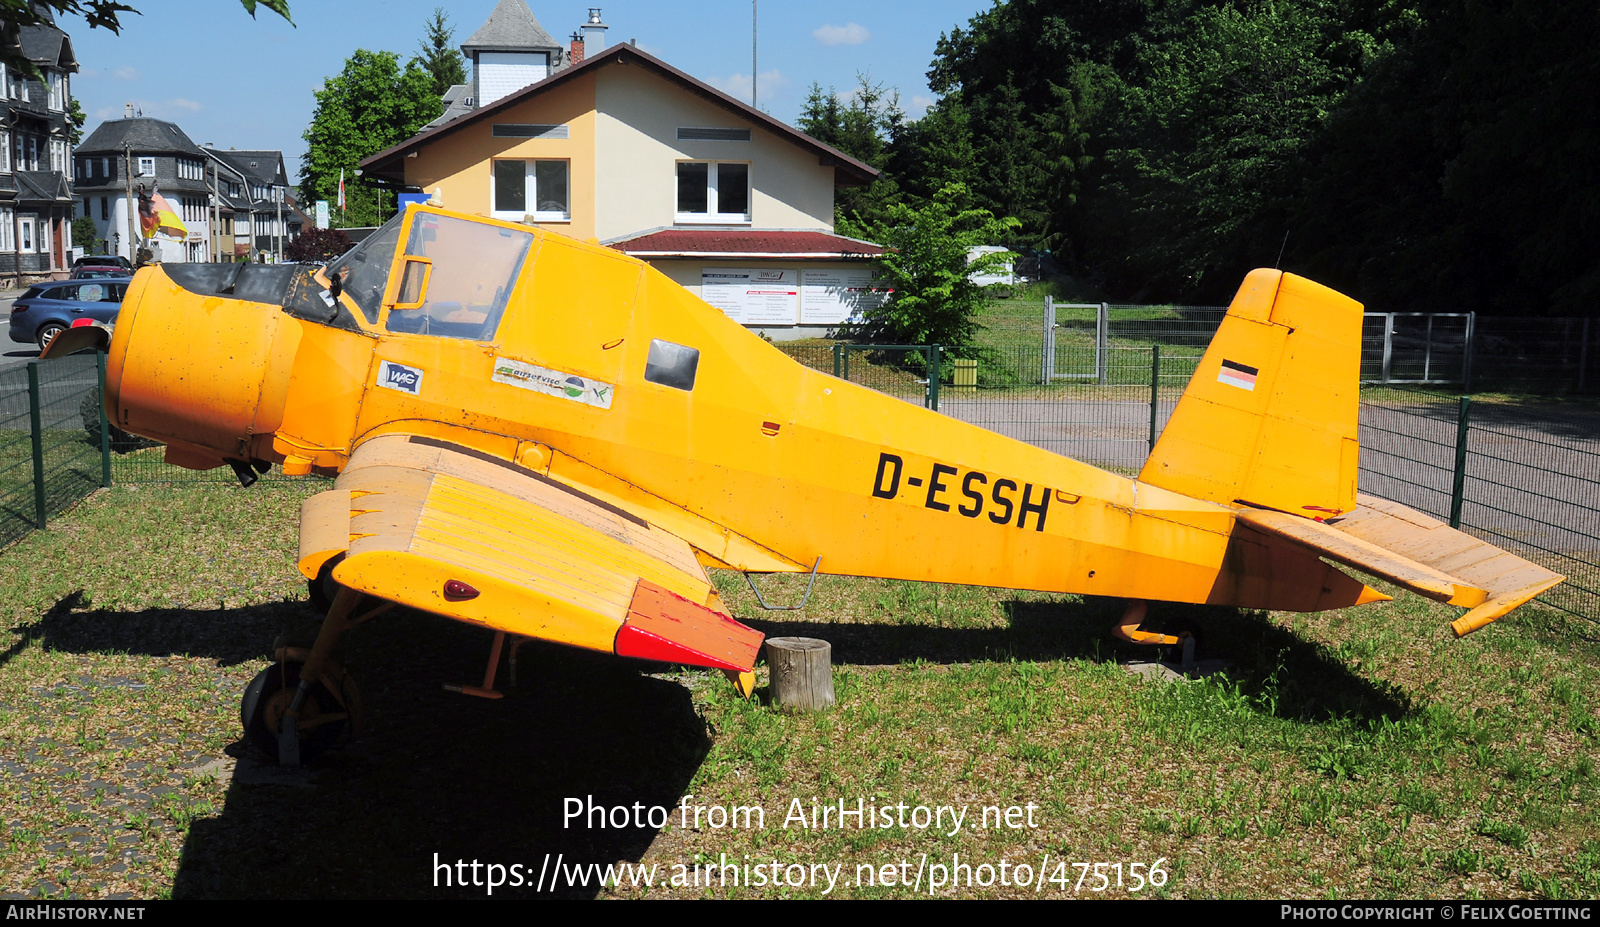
column 1269, row 417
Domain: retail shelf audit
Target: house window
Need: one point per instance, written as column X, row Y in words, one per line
column 105, row 168
column 147, row 167
column 7, row 220
column 713, row 191
column 27, row 234
column 58, row 155
column 539, row 188
column 105, row 209
column 57, row 88
column 5, row 151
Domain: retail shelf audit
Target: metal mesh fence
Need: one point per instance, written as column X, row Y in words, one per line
column 47, row 459
column 1532, row 355
column 1522, row 473
column 64, row 446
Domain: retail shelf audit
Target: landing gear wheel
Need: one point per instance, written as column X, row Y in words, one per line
column 1181, row 628
column 324, row 721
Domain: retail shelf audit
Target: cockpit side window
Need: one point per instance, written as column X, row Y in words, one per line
column 474, row 267
column 365, row 268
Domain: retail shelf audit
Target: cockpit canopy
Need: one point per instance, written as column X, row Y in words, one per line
column 453, row 279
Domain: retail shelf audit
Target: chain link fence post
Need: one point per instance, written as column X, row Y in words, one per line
column 1102, row 335
column 105, row 426
column 1047, row 369
column 1155, row 395
column 37, row 429
column 933, row 377
column 1458, row 487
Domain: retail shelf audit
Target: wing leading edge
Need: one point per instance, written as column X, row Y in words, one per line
column 415, row 516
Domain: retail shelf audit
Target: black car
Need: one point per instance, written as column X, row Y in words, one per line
column 106, row 260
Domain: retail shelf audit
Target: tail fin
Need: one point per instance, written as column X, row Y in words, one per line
column 1269, row 418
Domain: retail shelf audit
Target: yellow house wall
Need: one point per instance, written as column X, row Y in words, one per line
column 460, row 163
column 637, row 150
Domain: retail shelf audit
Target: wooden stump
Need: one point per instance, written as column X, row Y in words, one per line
column 802, row 672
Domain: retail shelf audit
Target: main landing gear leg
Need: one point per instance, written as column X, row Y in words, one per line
column 337, row 622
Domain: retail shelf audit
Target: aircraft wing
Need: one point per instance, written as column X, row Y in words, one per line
column 1419, row 552
column 464, row 534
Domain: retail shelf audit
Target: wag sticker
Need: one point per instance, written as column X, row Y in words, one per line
column 400, row 377
column 588, row 391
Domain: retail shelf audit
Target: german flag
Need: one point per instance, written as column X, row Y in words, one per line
column 157, row 217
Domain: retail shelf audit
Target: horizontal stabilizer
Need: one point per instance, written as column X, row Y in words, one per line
column 1365, row 556
column 1508, row 579
column 1419, row 552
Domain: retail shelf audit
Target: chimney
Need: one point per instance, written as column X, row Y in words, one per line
column 575, row 50
column 127, row 110
column 594, row 31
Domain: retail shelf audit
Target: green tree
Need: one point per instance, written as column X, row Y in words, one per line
column 935, row 300
column 864, row 130
column 371, row 105
column 75, row 121
column 83, row 234
column 936, row 150
column 1459, row 175
column 1202, row 165
column 440, row 57
column 102, row 14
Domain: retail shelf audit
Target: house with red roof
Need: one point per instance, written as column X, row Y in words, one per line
column 616, row 146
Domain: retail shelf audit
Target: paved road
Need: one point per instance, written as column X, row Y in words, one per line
column 12, row 354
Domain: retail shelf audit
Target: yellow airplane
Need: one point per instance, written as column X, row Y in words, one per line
column 552, row 440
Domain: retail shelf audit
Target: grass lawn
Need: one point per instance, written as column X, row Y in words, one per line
column 1355, row 754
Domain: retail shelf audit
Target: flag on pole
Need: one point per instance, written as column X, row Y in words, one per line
column 157, row 217
column 341, row 188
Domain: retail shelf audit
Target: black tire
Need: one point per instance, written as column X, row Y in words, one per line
column 1178, row 628
column 267, row 698
column 47, row 333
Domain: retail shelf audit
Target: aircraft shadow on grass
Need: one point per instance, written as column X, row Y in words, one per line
column 438, row 778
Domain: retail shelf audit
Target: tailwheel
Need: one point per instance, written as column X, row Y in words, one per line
column 329, row 715
column 1184, row 629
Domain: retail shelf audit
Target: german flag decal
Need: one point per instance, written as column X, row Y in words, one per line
column 1237, row 374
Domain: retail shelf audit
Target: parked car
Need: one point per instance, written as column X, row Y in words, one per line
column 98, row 272
column 47, row 309
column 103, row 260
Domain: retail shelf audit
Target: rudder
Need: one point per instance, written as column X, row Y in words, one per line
column 1269, row 417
